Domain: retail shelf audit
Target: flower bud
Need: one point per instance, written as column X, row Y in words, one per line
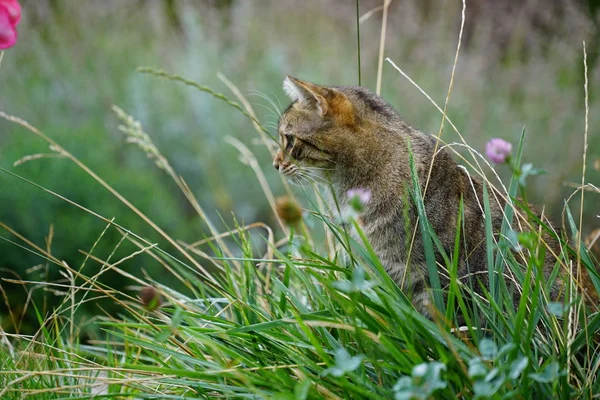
column 358, row 198
column 498, row 150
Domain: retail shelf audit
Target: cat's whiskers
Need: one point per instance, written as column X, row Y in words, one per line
column 302, row 180
column 305, row 179
column 281, row 108
column 296, row 179
column 313, row 177
column 314, row 182
column 310, row 178
column 319, row 168
column 321, row 172
column 296, row 172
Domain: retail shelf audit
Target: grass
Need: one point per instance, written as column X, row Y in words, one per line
column 296, row 323
column 255, row 311
column 300, row 325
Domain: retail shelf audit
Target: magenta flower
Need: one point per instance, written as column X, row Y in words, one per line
column 358, row 198
column 10, row 15
column 498, row 150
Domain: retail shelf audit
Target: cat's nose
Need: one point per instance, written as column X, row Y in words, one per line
column 276, row 165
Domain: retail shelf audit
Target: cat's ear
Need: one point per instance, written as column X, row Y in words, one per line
column 306, row 92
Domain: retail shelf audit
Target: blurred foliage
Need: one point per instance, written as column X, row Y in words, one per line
column 74, row 60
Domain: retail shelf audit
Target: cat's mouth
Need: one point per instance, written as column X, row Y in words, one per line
column 290, row 169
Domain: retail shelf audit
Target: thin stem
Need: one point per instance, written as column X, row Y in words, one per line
column 358, row 39
column 386, row 5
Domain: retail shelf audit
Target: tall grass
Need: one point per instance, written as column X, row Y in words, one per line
column 302, row 325
column 278, row 313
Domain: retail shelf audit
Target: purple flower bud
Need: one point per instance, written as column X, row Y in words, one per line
column 498, row 150
column 358, row 198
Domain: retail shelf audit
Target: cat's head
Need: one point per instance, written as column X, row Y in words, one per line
column 333, row 132
column 311, row 131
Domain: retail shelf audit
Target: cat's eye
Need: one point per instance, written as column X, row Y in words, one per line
column 290, row 142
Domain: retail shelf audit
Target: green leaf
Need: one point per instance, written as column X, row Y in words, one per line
column 177, row 317
column 550, row 373
column 344, row 363
column 357, row 284
column 404, row 390
column 526, row 171
column 557, row 309
column 426, row 234
column 488, row 349
column 490, row 385
column 505, row 349
column 585, row 335
column 517, row 367
column 483, row 389
column 477, row 368
column 428, row 376
column 302, row 389
column 162, row 336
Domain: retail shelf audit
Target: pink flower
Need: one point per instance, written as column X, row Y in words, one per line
column 10, row 15
column 498, row 150
column 358, row 198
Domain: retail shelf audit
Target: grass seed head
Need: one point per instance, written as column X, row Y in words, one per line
column 150, row 298
column 288, row 210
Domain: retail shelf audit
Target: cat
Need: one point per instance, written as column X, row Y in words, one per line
column 353, row 139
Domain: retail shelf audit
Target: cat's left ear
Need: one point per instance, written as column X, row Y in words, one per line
column 307, row 92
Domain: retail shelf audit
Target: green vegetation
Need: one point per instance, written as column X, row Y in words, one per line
column 294, row 322
column 262, row 309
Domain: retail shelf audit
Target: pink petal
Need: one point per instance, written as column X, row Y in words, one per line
column 8, row 34
column 497, row 150
column 14, row 10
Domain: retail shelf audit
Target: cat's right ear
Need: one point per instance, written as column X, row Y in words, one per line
column 306, row 92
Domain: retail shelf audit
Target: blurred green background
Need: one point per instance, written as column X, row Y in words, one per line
column 520, row 65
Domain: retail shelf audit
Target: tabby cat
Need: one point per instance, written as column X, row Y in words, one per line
column 355, row 139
